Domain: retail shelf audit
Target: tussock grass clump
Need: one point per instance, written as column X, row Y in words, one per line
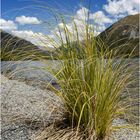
column 93, row 82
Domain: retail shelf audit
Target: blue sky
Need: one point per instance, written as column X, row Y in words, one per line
column 71, row 5
column 25, row 18
column 13, row 8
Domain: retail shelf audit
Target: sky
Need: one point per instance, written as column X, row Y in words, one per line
column 34, row 19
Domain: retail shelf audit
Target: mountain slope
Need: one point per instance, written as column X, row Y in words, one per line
column 123, row 34
column 15, row 48
column 122, row 37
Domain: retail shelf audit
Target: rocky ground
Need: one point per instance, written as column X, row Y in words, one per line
column 26, row 110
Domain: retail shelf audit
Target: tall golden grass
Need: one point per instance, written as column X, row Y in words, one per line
column 92, row 82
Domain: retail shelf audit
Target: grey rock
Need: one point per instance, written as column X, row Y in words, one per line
column 25, row 108
column 34, row 73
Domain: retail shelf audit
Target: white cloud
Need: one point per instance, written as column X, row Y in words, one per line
column 38, row 39
column 114, row 8
column 7, row 25
column 27, row 20
column 122, row 7
column 82, row 13
column 80, row 25
column 100, row 18
column 24, row 34
column 99, row 21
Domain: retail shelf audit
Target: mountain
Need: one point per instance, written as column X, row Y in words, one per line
column 14, row 48
column 122, row 38
column 123, row 34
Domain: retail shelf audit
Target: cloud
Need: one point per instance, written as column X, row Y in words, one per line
column 98, row 23
column 81, row 29
column 27, row 20
column 122, row 7
column 100, row 18
column 7, row 25
column 112, row 11
column 82, row 13
column 27, row 34
column 35, row 38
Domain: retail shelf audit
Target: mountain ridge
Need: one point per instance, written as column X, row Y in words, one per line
column 14, row 48
column 124, row 33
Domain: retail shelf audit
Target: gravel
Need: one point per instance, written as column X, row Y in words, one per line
column 124, row 133
column 25, row 110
